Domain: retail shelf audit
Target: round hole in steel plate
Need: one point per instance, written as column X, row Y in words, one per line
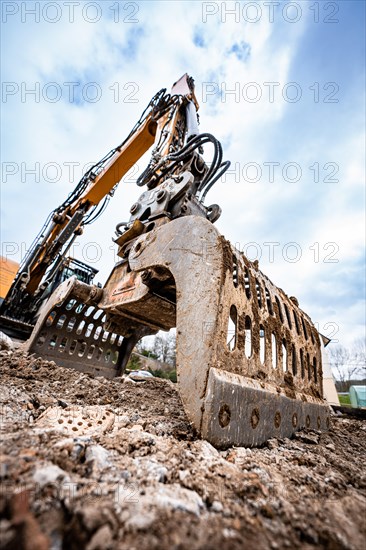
column 294, row 420
column 277, row 419
column 224, row 415
column 254, row 418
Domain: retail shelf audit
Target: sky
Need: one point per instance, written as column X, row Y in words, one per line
column 280, row 84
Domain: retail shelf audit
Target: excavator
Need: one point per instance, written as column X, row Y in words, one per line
column 249, row 360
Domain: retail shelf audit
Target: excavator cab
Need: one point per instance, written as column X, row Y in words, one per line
column 71, row 267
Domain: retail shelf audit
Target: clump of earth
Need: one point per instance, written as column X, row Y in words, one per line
column 96, row 464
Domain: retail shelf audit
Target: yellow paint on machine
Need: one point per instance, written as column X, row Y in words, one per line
column 8, row 270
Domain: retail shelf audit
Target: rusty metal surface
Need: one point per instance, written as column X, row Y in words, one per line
column 215, row 283
column 241, row 410
column 70, row 332
column 248, row 358
column 126, row 295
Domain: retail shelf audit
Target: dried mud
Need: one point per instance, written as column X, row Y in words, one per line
column 89, row 463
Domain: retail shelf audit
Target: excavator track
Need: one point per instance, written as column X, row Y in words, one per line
column 249, row 360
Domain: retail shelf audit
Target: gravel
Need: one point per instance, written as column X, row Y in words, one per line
column 138, row 477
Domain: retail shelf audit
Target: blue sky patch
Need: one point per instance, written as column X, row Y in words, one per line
column 241, row 50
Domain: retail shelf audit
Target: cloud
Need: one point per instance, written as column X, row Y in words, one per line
column 247, row 75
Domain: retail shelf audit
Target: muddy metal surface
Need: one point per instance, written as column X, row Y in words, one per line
column 90, row 463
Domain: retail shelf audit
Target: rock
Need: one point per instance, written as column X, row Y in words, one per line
column 101, row 540
column 3, row 468
column 6, row 343
column 137, row 427
column 50, row 475
column 176, row 498
column 183, row 474
column 238, row 455
column 93, row 517
column 74, row 446
column 141, row 521
column 122, row 421
column 229, row 533
column 308, row 437
column 272, row 443
column 205, row 449
column 97, row 456
column 330, row 446
column 217, row 506
column 152, row 470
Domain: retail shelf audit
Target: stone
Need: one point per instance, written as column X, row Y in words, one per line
column 49, row 475
column 308, row 437
column 101, row 540
column 183, row 474
column 176, row 498
column 141, row 521
column 217, row 506
column 6, row 343
column 97, row 456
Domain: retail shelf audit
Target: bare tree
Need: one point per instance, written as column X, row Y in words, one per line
column 339, row 357
column 348, row 364
column 358, row 353
column 144, row 348
column 165, row 347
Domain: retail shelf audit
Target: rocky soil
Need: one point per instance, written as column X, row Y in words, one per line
column 89, row 463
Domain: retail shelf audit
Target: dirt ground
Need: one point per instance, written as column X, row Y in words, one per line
column 89, row 463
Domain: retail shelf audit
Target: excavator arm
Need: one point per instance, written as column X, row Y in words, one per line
column 67, row 221
column 163, row 123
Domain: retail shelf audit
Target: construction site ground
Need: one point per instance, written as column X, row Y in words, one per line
column 90, row 463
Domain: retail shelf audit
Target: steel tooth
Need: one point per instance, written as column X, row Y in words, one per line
column 244, row 349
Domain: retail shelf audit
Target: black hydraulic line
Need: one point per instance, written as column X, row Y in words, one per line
column 224, row 166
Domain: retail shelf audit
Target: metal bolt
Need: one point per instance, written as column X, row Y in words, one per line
column 160, row 195
column 134, row 208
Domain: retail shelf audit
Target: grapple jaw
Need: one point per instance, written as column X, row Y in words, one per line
column 73, row 331
column 248, row 359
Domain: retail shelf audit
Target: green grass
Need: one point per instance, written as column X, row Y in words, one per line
column 344, row 399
